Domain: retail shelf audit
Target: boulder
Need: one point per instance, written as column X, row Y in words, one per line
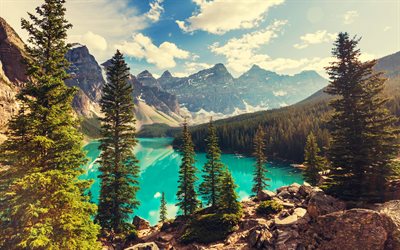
column 250, row 223
column 321, row 204
column 305, row 191
column 299, row 216
column 259, row 238
column 265, row 195
column 144, row 246
column 140, row 223
column 352, row 229
column 294, row 188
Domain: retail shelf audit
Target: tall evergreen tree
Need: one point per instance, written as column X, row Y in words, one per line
column 364, row 135
column 259, row 176
column 313, row 162
column 118, row 164
column 163, row 208
column 210, row 188
column 228, row 202
column 186, row 195
column 43, row 203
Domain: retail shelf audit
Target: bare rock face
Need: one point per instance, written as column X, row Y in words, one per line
column 12, row 54
column 144, row 246
column 140, row 223
column 352, row 229
column 12, row 73
column 320, row 204
column 265, row 195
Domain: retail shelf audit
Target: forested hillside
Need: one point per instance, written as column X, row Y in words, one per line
column 287, row 128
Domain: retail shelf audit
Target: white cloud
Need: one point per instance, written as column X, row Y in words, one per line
column 387, row 28
column 94, row 41
column 350, row 16
column 241, row 53
column 220, row 16
column 155, row 10
column 162, row 56
column 113, row 20
column 157, row 195
column 279, row 93
column 320, row 36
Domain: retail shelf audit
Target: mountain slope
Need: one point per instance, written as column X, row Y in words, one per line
column 215, row 91
column 12, row 73
column 288, row 127
column 153, row 104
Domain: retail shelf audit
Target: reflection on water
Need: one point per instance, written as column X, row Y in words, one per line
column 159, row 164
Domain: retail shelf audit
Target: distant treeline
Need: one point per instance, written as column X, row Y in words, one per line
column 286, row 128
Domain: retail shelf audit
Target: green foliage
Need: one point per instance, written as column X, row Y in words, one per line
column 210, row 228
column 287, row 129
column 118, row 164
column 269, row 207
column 157, row 130
column 43, row 204
column 228, row 200
column 163, row 208
column 186, row 194
column 90, row 127
column 210, row 188
column 260, row 171
column 364, row 133
column 313, row 162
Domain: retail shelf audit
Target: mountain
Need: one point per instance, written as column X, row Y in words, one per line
column 287, row 127
column 210, row 90
column 153, row 105
column 271, row 90
column 12, row 72
column 147, row 79
column 216, row 91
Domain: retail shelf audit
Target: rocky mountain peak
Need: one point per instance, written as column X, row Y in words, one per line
column 12, row 53
column 145, row 74
column 147, row 79
column 166, row 74
column 219, row 67
column 85, row 72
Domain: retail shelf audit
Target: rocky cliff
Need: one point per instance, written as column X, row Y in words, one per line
column 216, row 90
column 12, row 72
column 310, row 219
column 153, row 105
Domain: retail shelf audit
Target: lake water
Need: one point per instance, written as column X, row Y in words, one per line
column 159, row 164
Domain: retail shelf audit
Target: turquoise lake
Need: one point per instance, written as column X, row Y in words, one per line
column 159, row 164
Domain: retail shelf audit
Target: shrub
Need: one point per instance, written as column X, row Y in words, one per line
column 269, row 207
column 210, row 228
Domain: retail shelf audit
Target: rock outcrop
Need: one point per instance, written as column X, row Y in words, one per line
column 310, row 219
column 12, row 73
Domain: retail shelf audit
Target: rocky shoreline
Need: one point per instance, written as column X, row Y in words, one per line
column 310, row 219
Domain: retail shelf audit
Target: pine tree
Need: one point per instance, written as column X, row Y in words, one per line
column 228, row 202
column 364, row 135
column 186, row 195
column 313, row 162
column 43, row 203
column 259, row 176
column 163, row 208
column 118, row 164
column 210, row 188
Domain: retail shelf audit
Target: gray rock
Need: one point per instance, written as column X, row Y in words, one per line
column 353, row 229
column 140, row 223
column 144, row 246
column 321, row 204
column 266, row 195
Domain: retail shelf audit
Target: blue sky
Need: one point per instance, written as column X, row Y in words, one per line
column 184, row 36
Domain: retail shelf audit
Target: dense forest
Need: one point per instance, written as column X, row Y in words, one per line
column 286, row 128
